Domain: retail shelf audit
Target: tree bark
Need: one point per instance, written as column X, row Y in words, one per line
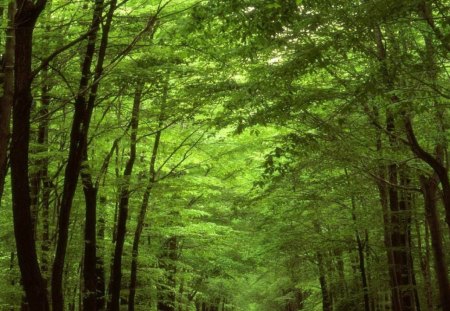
column 79, row 131
column 361, row 253
column 326, row 299
column 429, row 188
column 398, row 244
column 33, row 283
column 90, row 245
column 435, row 163
column 425, row 265
column 142, row 214
column 100, row 269
column 116, row 269
column 43, row 173
column 400, row 226
column 362, row 271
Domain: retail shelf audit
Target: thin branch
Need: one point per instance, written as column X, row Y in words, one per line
column 378, row 178
column 49, row 58
column 186, row 155
column 108, row 157
column 181, row 145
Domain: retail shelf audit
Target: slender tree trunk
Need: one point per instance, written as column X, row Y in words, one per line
column 141, row 217
column 116, row 269
column 383, row 189
column 43, row 173
column 90, row 245
column 35, row 187
column 438, row 167
column 99, row 245
column 39, row 179
column 135, row 251
column 100, row 269
column 326, row 299
column 398, row 260
column 362, row 270
column 361, row 253
column 410, row 205
column 32, row 280
column 401, row 223
column 425, row 265
column 78, row 138
column 394, row 229
column 429, row 188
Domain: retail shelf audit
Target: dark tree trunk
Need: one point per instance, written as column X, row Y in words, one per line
column 142, row 214
column 362, row 271
column 411, row 269
column 425, row 264
column 78, row 138
column 435, row 163
column 361, row 254
column 396, row 234
column 393, row 229
column 43, row 173
column 32, row 280
column 35, row 185
column 400, row 225
column 326, row 299
column 100, row 269
column 116, row 269
column 90, row 245
column 384, row 200
column 429, row 188
column 135, row 251
column 396, row 215
column 38, row 179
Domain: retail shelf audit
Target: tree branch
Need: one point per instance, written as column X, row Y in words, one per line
column 49, row 58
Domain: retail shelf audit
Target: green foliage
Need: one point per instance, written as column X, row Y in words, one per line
column 273, row 146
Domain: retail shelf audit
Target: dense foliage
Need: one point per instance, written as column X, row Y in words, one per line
column 224, row 155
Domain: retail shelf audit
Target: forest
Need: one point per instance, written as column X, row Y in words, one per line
column 224, row 155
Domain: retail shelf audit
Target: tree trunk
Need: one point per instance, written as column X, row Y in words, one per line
column 100, row 269
column 43, row 174
column 326, row 299
column 99, row 245
column 425, row 265
column 429, row 188
column 80, row 125
column 396, row 244
column 400, row 236
column 90, row 245
column 141, row 217
column 361, row 253
column 116, row 269
column 32, row 280
column 435, row 163
column 362, row 271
